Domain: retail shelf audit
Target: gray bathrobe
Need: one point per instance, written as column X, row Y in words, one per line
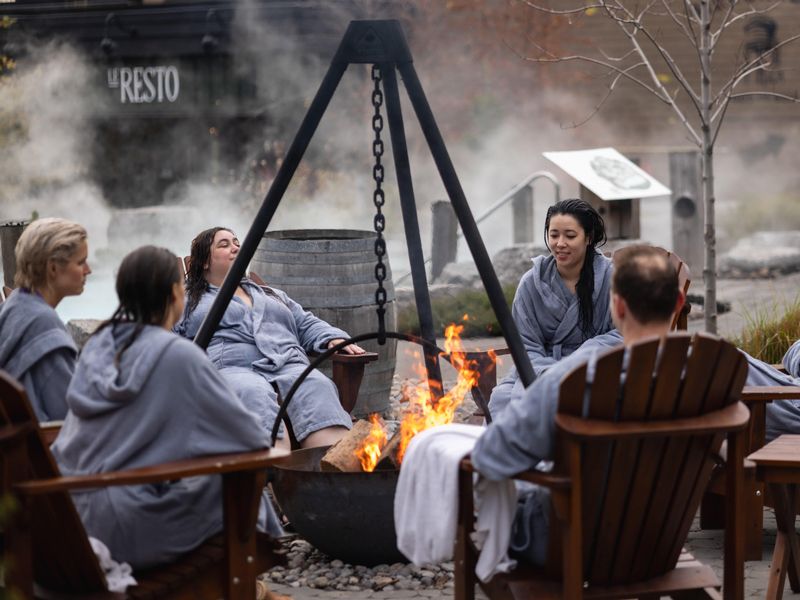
column 165, row 401
column 520, row 437
column 547, row 315
column 265, row 346
column 36, row 349
column 783, row 416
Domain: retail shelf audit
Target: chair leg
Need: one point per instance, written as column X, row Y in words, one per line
column 754, row 518
column 465, row 558
column 712, row 511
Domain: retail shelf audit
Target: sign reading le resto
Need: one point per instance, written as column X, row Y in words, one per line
column 145, row 85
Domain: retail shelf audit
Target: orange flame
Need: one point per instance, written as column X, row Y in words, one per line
column 370, row 452
column 424, row 411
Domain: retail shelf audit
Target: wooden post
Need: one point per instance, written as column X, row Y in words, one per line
column 687, row 209
column 9, row 234
column 445, row 231
column 522, row 220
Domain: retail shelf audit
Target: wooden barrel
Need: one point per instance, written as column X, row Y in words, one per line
column 331, row 272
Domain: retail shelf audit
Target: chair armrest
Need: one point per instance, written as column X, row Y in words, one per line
column 768, row 393
column 354, row 359
column 543, row 478
column 50, row 431
column 779, row 367
column 206, row 465
column 731, row 418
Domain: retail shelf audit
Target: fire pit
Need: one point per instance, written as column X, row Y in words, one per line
column 346, row 515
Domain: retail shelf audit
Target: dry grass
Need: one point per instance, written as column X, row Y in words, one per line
column 481, row 322
column 769, row 332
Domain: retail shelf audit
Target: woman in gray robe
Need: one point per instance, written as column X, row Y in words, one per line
column 564, row 299
column 261, row 343
column 142, row 395
column 35, row 347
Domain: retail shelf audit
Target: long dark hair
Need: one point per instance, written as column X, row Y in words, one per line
column 595, row 229
column 200, row 254
column 144, row 288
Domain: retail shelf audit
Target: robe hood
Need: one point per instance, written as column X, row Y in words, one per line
column 31, row 329
column 101, row 383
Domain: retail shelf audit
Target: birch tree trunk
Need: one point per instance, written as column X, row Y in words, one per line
column 707, row 169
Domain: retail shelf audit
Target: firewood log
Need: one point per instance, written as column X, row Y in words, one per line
column 388, row 458
column 342, row 455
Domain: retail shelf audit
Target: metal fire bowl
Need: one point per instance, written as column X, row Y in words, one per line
column 349, row 516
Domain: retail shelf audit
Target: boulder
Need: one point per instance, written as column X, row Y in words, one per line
column 513, row 262
column 82, row 329
column 762, row 254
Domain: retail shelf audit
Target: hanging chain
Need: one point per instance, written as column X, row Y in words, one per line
column 379, row 199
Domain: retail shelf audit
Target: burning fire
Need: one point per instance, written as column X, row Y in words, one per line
column 370, row 452
column 423, row 410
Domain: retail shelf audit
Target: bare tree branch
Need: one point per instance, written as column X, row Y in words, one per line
column 605, row 97
column 673, row 67
column 777, row 95
column 679, row 24
column 727, row 23
column 553, row 11
column 750, row 67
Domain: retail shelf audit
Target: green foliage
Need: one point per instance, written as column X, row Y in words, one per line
column 770, row 331
column 7, row 63
column 481, row 319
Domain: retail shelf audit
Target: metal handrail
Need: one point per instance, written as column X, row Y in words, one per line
column 502, row 201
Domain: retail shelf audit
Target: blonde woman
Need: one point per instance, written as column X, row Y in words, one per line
column 35, row 347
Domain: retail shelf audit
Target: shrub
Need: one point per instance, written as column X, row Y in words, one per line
column 481, row 319
column 769, row 332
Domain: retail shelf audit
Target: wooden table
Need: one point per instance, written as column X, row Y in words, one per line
column 778, row 466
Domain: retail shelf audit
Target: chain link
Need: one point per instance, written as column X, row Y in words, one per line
column 378, row 199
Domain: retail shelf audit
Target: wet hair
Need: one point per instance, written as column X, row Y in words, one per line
column 200, row 254
column 144, row 287
column 647, row 281
column 42, row 241
column 595, row 229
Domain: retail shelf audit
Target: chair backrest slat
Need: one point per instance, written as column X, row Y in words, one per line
column 63, row 558
column 603, row 405
column 664, row 394
column 624, row 458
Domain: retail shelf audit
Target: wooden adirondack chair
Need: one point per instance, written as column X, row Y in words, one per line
column 47, row 551
column 756, row 497
column 625, row 488
column 486, row 361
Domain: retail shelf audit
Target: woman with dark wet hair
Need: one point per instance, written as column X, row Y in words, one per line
column 564, row 299
column 142, row 396
column 261, row 344
column 52, row 263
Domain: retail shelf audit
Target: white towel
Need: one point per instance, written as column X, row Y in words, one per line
column 426, row 501
column 118, row 575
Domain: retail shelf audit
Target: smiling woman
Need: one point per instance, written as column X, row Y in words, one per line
column 34, row 345
column 564, row 299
